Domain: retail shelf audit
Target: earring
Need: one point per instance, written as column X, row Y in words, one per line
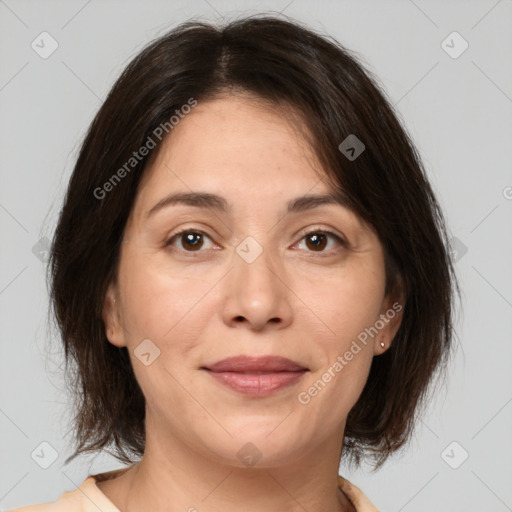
column 382, row 344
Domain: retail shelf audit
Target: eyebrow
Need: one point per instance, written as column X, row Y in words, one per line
column 218, row 203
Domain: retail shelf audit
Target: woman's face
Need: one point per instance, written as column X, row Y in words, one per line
column 249, row 278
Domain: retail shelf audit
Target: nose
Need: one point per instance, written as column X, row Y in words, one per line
column 258, row 294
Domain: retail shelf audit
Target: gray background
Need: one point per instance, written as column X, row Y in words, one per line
column 458, row 111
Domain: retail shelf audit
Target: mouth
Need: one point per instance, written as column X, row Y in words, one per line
column 253, row 364
column 256, row 376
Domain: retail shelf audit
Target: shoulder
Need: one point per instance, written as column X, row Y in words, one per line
column 86, row 498
column 356, row 496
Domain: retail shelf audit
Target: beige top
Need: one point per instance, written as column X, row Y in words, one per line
column 89, row 498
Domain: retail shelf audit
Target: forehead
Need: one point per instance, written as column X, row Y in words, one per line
column 237, row 140
column 254, row 156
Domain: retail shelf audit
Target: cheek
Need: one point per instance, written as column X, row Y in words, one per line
column 158, row 301
column 165, row 308
column 345, row 304
column 348, row 304
column 345, row 356
column 329, row 394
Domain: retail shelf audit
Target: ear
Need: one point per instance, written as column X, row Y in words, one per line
column 112, row 317
column 391, row 316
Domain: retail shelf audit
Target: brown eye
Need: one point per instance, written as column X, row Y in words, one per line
column 317, row 241
column 190, row 240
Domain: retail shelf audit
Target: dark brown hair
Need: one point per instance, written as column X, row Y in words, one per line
column 284, row 63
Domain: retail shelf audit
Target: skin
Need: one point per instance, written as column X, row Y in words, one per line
column 207, row 304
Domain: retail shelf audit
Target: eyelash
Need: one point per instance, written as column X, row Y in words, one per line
column 315, row 231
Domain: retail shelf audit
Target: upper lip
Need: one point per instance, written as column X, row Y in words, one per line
column 255, row 364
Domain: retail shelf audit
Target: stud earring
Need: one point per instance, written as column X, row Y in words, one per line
column 382, row 344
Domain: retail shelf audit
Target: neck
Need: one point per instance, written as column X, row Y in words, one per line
column 174, row 477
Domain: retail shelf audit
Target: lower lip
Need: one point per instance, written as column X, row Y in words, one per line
column 257, row 384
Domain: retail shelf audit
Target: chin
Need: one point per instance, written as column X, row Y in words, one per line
column 255, row 449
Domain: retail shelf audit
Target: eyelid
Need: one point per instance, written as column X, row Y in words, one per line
column 342, row 244
column 324, row 230
column 169, row 240
column 301, row 234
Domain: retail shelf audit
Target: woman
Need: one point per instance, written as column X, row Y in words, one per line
column 250, row 273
